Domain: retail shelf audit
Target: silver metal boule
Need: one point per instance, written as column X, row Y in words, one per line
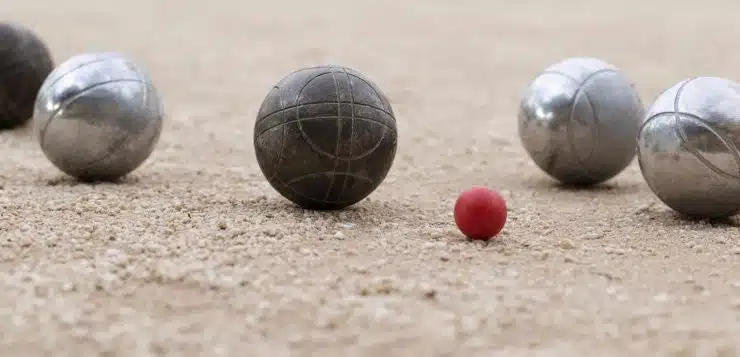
column 688, row 147
column 578, row 121
column 98, row 116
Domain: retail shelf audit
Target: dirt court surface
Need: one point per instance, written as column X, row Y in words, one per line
column 195, row 255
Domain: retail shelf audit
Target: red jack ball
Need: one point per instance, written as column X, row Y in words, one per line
column 480, row 213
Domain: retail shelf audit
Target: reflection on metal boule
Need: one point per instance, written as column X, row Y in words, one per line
column 578, row 121
column 98, row 116
column 688, row 147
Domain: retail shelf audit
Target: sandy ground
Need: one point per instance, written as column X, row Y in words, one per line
column 195, row 255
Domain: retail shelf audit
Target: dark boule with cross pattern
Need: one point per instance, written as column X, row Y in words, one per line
column 25, row 61
column 325, row 137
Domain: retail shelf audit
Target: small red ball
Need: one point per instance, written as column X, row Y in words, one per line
column 480, row 213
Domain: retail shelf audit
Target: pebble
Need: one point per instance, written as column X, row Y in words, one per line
column 592, row 236
column 567, row 244
column 644, row 208
column 662, row 297
column 338, row 235
column 542, row 255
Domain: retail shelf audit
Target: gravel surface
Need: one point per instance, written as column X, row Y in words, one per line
column 195, row 255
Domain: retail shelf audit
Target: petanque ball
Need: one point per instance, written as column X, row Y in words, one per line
column 325, row 137
column 688, row 147
column 25, row 61
column 98, row 116
column 578, row 121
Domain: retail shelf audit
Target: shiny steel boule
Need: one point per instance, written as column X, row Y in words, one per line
column 688, row 147
column 98, row 116
column 578, row 121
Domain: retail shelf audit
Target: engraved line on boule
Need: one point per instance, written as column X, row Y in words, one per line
column 655, row 116
column 729, row 145
column 121, row 142
column 64, row 104
column 366, row 153
column 351, row 133
column 297, row 193
column 67, row 72
column 301, row 105
column 336, row 118
column 381, row 98
column 282, row 134
column 322, row 117
column 351, row 174
column 551, row 159
column 338, row 123
column 558, row 73
column 568, row 132
column 682, row 135
column 305, row 136
column 325, row 67
column 650, row 118
column 580, row 83
column 389, row 111
column 82, row 92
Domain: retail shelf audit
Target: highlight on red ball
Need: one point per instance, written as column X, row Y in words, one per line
column 480, row 213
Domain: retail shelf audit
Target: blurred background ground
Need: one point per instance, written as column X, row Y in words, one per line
column 195, row 255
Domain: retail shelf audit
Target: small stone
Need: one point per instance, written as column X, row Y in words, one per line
column 68, row 287
column 338, row 235
column 567, row 244
column 662, row 297
column 511, row 273
column 542, row 255
column 644, row 208
column 592, row 236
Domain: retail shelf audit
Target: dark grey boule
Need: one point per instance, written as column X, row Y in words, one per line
column 25, row 61
column 325, row 137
